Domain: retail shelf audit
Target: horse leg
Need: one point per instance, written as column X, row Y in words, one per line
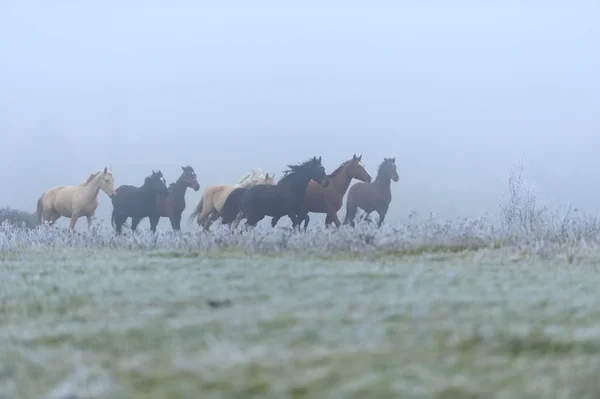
column 51, row 217
column 291, row 213
column 212, row 217
column 176, row 221
column 135, row 220
column 366, row 216
column 237, row 221
column 154, row 219
column 120, row 219
column 336, row 219
column 332, row 217
column 382, row 213
column 74, row 218
column 351, row 208
column 274, row 220
column 204, row 217
column 89, row 220
column 306, row 219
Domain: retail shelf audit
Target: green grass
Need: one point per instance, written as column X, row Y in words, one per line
column 444, row 322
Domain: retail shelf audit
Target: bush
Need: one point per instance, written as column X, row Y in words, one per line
column 17, row 218
column 522, row 209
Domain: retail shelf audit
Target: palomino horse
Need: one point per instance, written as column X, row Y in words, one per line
column 284, row 198
column 173, row 205
column 75, row 201
column 329, row 199
column 213, row 198
column 137, row 202
column 374, row 196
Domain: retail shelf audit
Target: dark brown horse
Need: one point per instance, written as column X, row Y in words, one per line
column 173, row 205
column 319, row 199
column 375, row 196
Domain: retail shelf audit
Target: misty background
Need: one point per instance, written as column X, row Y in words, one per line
column 456, row 91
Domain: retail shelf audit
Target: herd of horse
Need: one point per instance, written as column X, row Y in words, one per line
column 304, row 188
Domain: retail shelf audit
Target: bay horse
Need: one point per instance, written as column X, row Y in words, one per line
column 319, row 199
column 137, row 202
column 173, row 205
column 284, row 198
column 213, row 198
column 75, row 201
column 375, row 196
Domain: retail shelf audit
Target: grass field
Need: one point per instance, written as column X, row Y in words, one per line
column 86, row 316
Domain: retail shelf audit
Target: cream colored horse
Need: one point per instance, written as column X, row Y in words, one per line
column 75, row 201
column 208, row 209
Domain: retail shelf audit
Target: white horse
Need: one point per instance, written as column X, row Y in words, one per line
column 75, row 201
column 208, row 209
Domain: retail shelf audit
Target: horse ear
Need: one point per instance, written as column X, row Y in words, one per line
column 394, row 159
column 360, row 158
column 182, row 168
column 267, row 176
column 319, row 159
column 354, row 157
column 105, row 169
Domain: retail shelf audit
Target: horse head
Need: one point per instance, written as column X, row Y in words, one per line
column 357, row 170
column 107, row 182
column 268, row 180
column 388, row 169
column 157, row 182
column 189, row 178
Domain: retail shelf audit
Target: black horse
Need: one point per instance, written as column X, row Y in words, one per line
column 137, row 202
column 285, row 198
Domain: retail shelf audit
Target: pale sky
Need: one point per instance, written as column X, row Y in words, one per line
column 456, row 91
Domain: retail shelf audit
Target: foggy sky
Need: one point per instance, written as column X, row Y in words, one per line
column 456, row 92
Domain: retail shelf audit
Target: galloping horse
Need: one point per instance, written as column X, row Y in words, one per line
column 374, row 196
column 234, row 198
column 137, row 202
column 284, row 198
column 173, row 205
column 329, row 199
column 213, row 198
column 75, row 201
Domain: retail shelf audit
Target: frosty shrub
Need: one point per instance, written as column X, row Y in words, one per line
column 521, row 207
column 17, row 218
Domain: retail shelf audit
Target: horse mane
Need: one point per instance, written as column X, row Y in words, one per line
column 90, row 178
column 293, row 169
column 338, row 170
column 251, row 178
column 385, row 161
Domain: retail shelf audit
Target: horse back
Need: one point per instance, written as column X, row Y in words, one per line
column 365, row 193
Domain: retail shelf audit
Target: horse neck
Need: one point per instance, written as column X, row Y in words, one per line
column 298, row 184
column 179, row 188
column 383, row 181
column 341, row 181
column 92, row 188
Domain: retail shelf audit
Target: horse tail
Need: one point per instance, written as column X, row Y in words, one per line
column 40, row 210
column 197, row 211
column 231, row 207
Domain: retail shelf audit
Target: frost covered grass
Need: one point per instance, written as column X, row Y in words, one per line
column 91, row 321
column 571, row 233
